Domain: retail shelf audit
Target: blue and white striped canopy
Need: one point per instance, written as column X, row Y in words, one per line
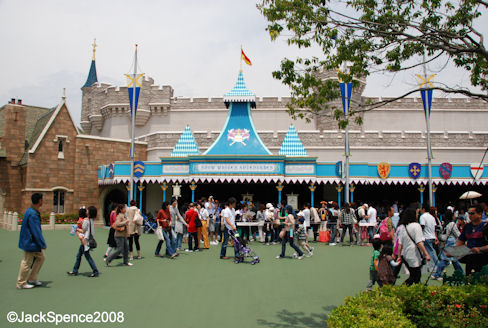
column 292, row 145
column 186, row 145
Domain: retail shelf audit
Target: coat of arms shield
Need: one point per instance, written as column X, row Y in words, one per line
column 414, row 170
column 446, row 170
column 477, row 170
column 384, row 170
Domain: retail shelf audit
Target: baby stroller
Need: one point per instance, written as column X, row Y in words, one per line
column 241, row 249
column 150, row 224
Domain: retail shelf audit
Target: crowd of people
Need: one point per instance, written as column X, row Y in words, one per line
column 400, row 236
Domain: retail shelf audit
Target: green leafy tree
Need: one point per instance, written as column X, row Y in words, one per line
column 372, row 36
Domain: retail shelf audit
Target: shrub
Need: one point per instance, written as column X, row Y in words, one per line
column 59, row 218
column 415, row 306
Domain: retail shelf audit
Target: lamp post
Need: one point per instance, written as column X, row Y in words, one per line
column 141, row 188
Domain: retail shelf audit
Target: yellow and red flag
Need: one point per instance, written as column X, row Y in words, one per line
column 244, row 57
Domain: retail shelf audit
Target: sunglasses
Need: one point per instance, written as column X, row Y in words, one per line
column 471, row 213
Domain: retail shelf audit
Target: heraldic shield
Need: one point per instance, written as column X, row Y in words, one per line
column 383, row 170
column 139, row 169
column 414, row 170
column 477, row 171
column 446, row 170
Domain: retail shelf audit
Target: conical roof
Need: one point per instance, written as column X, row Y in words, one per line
column 292, row 145
column 240, row 93
column 186, row 145
column 92, row 76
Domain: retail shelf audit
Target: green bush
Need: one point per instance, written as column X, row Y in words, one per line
column 415, row 306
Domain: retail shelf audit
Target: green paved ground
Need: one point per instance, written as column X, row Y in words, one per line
column 195, row 290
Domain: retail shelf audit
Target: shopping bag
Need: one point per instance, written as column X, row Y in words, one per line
column 324, row 236
column 159, row 233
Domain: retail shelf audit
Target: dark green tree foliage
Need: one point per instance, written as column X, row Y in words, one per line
column 374, row 36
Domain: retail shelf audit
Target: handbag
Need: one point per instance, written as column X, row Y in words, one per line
column 159, row 233
column 92, row 243
column 324, row 236
column 198, row 222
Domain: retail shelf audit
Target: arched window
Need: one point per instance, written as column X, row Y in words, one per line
column 58, row 201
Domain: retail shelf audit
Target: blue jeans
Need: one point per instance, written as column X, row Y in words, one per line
column 170, row 251
column 429, row 246
column 292, row 244
column 179, row 239
column 223, row 250
column 81, row 251
column 444, row 261
column 333, row 231
column 122, row 247
column 371, row 233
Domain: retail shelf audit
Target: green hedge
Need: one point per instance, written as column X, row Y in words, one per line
column 60, row 218
column 414, row 306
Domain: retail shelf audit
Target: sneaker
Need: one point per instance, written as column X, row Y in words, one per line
column 300, row 257
column 139, row 257
column 309, row 255
column 197, row 250
column 107, row 263
column 279, row 257
column 129, row 264
column 436, row 278
column 188, row 250
column 26, row 286
column 224, row 258
column 332, row 244
column 267, row 244
column 35, row 283
column 311, row 250
column 295, row 255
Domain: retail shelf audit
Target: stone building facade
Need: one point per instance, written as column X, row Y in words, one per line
column 393, row 133
column 41, row 150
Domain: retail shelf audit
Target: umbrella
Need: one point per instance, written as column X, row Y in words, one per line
column 470, row 195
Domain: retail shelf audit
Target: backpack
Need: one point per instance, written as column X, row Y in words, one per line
column 383, row 230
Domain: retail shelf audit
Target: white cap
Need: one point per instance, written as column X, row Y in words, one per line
column 271, row 208
column 366, row 205
column 269, row 205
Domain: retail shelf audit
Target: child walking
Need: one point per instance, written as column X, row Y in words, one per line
column 373, row 268
column 302, row 237
column 385, row 266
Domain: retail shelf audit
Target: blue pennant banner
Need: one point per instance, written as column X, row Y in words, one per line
column 346, row 96
column 131, row 93
column 426, row 100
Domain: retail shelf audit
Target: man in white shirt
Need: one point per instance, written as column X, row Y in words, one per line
column 306, row 216
column 428, row 223
column 229, row 217
column 371, row 217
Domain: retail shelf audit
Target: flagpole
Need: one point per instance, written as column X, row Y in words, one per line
column 347, row 144
column 240, row 56
column 132, row 141
column 429, row 149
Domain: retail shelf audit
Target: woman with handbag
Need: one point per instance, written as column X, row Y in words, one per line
column 89, row 233
column 286, row 234
column 411, row 246
column 135, row 224
column 121, row 226
column 164, row 221
column 178, row 222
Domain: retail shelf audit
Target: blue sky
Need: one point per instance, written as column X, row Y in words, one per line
column 194, row 46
